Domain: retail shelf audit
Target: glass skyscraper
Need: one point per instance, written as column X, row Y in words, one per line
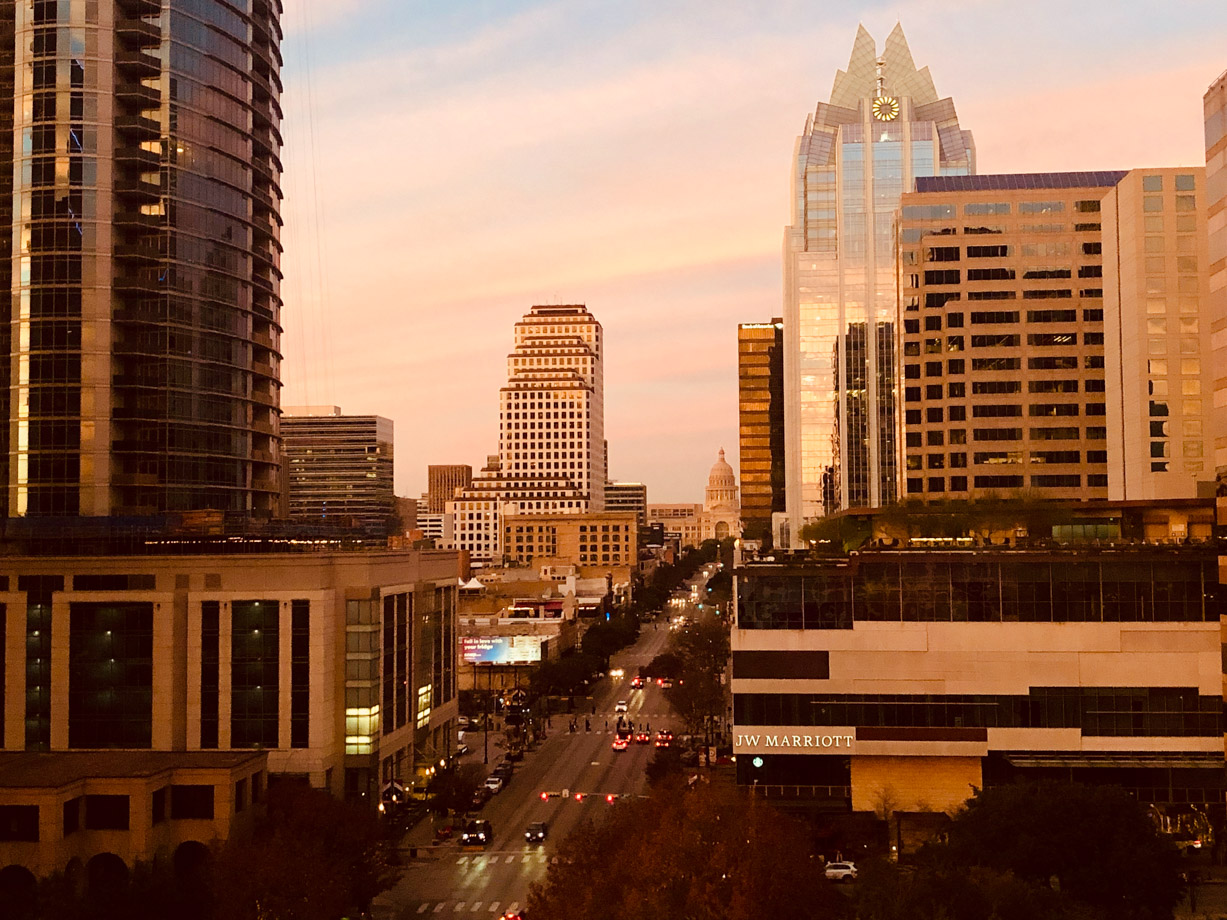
column 883, row 127
column 142, row 313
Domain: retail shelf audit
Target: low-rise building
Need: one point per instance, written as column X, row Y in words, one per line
column 78, row 811
column 907, row 676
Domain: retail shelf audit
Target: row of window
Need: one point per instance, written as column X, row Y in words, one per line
column 979, row 458
column 1095, row 711
column 1140, row 589
column 937, row 484
column 999, row 208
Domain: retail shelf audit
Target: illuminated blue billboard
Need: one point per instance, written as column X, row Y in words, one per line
column 500, row 649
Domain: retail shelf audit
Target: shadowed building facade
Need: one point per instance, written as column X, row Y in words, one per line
column 339, row 468
column 883, row 126
column 141, row 306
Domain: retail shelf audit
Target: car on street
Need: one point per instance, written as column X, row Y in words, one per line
column 505, row 770
column 477, row 833
column 494, row 784
column 664, row 738
column 643, row 738
column 840, row 871
column 637, row 683
column 620, row 744
column 620, row 706
column 664, row 682
column 536, row 832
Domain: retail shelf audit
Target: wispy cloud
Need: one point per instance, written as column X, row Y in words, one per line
column 468, row 160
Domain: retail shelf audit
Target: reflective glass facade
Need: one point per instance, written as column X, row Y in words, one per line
column 144, row 280
column 760, row 403
column 883, row 127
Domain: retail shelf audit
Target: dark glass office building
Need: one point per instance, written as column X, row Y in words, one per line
column 141, row 341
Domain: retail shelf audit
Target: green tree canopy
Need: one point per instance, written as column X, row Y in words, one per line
column 708, row 852
column 1096, row 841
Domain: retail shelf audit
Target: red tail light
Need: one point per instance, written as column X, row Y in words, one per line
column 545, row 796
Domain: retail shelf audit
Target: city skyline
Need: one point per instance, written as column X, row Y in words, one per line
column 600, row 139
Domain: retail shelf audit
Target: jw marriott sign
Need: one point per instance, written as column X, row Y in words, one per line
column 747, row 743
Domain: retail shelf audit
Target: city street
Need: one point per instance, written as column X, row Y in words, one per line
column 449, row 880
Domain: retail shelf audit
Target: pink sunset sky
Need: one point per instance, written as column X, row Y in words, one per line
column 449, row 164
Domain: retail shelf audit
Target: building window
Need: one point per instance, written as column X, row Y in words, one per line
column 110, row 675
column 210, row 638
column 191, row 802
column 300, row 673
column 254, row 662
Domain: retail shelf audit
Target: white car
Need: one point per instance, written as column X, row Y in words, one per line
column 620, row 706
column 494, row 784
column 841, row 871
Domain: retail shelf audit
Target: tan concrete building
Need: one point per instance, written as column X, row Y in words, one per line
column 1002, row 311
column 63, row 811
column 681, row 519
column 1159, row 370
column 338, row 665
column 914, row 675
column 605, row 541
column 1215, row 104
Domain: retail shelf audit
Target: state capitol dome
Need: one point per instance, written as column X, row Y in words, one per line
column 721, row 498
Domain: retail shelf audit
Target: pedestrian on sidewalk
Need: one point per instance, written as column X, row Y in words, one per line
column 587, row 725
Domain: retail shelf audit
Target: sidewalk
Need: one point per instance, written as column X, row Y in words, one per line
column 1209, row 893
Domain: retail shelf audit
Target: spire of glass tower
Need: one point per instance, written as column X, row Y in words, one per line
column 884, row 126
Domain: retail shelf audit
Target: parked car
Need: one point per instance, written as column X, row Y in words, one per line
column 477, row 833
column 480, row 796
column 536, row 832
column 840, row 871
column 494, row 783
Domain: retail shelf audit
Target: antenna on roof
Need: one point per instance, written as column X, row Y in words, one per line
column 881, row 80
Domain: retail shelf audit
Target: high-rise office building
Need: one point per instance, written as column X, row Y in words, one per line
column 551, row 455
column 884, row 126
column 339, row 468
column 442, row 481
column 1160, row 374
column 760, row 404
column 628, row 496
column 1002, row 309
column 139, row 195
column 1215, row 105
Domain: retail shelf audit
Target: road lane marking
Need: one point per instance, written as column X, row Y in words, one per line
column 475, row 908
column 438, row 907
column 459, row 906
column 493, row 906
column 422, row 909
column 512, row 908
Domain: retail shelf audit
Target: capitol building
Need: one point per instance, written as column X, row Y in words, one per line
column 717, row 518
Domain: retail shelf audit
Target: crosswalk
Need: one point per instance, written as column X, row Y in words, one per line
column 427, row 908
column 481, row 860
